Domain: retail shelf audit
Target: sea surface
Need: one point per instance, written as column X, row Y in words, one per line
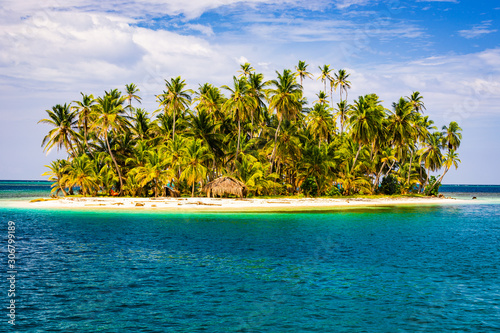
column 387, row 269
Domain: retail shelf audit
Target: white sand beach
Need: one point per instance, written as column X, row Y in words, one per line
column 228, row 204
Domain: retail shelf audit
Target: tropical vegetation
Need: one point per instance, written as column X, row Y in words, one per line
column 263, row 133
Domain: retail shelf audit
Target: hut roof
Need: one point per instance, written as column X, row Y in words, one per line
column 225, row 185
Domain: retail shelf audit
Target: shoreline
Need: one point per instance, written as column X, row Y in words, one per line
column 204, row 204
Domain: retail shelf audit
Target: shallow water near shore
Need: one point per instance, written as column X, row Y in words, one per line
column 390, row 269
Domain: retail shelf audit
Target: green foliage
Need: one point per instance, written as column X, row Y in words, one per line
column 310, row 187
column 433, row 187
column 333, row 192
column 263, row 133
column 389, row 185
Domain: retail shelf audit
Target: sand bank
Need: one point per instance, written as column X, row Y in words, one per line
column 224, row 204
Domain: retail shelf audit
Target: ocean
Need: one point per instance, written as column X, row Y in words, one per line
column 387, row 269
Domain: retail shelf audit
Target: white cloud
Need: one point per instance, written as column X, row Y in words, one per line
column 478, row 30
column 341, row 4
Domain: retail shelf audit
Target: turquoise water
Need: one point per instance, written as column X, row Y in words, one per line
column 406, row 269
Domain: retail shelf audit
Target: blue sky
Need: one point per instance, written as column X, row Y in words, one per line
column 447, row 50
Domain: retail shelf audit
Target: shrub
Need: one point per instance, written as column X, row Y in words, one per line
column 333, row 192
column 310, row 187
column 389, row 185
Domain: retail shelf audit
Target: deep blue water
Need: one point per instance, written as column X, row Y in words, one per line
column 406, row 269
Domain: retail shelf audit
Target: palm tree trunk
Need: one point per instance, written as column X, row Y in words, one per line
column 192, row 191
column 356, row 157
column 427, row 178
column 375, row 184
column 275, row 143
column 440, row 179
column 409, row 168
column 116, row 164
column 238, row 146
column 173, row 128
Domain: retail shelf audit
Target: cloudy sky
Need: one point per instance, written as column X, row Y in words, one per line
column 52, row 50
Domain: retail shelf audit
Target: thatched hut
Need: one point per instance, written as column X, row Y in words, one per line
column 224, row 186
column 170, row 192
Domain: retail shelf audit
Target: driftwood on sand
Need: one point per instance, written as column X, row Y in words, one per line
column 225, row 186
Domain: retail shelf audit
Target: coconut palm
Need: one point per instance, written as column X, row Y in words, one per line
column 64, row 122
column 84, row 111
column 342, row 110
column 401, row 127
column 452, row 136
column 239, row 104
column 141, row 124
column 451, row 159
column 80, row 172
column 284, row 98
column 155, row 171
column 196, row 155
column 301, row 71
column 340, row 81
column 131, row 91
column 320, row 123
column 365, row 121
column 322, row 98
column 210, row 99
column 246, row 70
column 176, row 152
column 175, row 100
column 109, row 116
column 416, row 100
column 56, row 175
column 325, row 75
column 257, row 92
column 431, row 154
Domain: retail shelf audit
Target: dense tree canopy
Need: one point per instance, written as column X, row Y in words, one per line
column 263, row 133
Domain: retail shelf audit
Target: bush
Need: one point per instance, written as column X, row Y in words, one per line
column 432, row 189
column 333, row 192
column 389, row 185
column 310, row 187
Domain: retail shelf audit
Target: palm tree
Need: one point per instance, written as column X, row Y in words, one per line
column 431, row 154
column 342, row 109
column 451, row 159
column 340, row 81
column 325, row 75
column 246, row 70
column 365, row 120
column 320, row 123
column 239, row 103
column 351, row 181
column 386, row 156
column 401, row 127
column 256, row 91
column 211, row 99
column 155, row 171
column 109, row 116
column 56, row 175
column 301, row 71
column 84, row 110
column 176, row 99
column 80, row 172
column 322, row 98
column 452, row 136
column 416, row 100
column 131, row 91
column 205, row 128
column 284, row 98
column 64, row 121
column 176, row 152
column 194, row 164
